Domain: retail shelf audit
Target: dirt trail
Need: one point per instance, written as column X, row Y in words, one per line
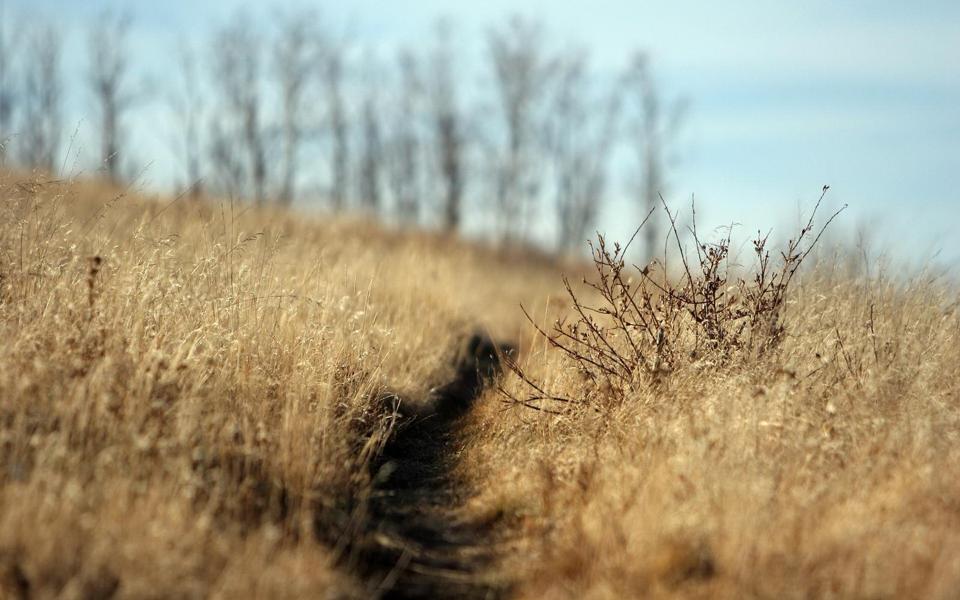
column 414, row 544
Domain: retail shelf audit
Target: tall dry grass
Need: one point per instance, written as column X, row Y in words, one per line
column 185, row 388
column 825, row 466
column 185, row 411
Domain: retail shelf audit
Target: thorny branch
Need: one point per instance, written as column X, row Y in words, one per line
column 631, row 332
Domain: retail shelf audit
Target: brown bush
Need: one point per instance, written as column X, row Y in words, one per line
column 633, row 326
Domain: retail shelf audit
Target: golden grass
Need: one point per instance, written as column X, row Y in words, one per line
column 183, row 386
column 177, row 419
column 829, row 468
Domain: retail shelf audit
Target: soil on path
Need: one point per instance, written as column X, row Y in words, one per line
column 414, row 542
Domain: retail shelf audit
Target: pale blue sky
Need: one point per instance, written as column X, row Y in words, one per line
column 785, row 97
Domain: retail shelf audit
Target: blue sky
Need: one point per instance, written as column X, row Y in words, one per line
column 784, row 97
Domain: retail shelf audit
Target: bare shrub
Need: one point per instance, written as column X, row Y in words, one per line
column 634, row 326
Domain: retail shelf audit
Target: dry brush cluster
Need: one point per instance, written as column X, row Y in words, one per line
column 630, row 327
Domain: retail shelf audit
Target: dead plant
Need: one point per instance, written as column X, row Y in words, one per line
column 640, row 324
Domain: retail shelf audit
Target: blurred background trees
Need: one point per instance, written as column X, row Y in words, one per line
column 448, row 127
column 297, row 48
column 9, row 44
column 109, row 72
column 524, row 141
column 581, row 131
column 187, row 106
column 239, row 149
column 653, row 129
column 522, row 72
column 40, row 126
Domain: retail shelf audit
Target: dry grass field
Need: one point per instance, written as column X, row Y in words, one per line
column 181, row 385
column 825, row 465
column 190, row 397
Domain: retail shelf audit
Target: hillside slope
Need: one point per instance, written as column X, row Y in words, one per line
column 203, row 399
column 187, row 390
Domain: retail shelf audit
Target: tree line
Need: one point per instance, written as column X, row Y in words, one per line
column 286, row 108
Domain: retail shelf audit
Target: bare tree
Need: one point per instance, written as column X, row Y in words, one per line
column 108, row 80
column 8, row 96
column 226, row 161
column 654, row 131
column 448, row 128
column 371, row 147
column 338, row 123
column 293, row 55
column 521, row 73
column 404, row 164
column 580, row 133
column 187, row 104
column 40, row 117
column 237, row 73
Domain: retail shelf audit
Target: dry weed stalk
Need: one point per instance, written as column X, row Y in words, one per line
column 641, row 329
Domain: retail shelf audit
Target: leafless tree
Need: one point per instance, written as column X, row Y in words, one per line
column 188, row 109
column 226, row 160
column 338, row 123
column 109, row 73
column 653, row 129
column 8, row 93
column 294, row 53
column 580, row 134
column 448, row 128
column 404, row 152
column 371, row 146
column 42, row 88
column 237, row 54
column 521, row 72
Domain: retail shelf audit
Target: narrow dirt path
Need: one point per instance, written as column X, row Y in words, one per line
column 414, row 543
